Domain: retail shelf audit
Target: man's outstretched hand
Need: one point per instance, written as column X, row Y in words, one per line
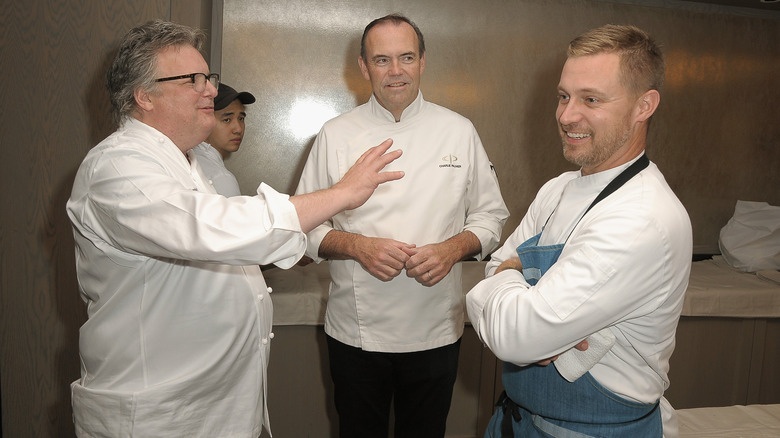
column 354, row 189
column 360, row 181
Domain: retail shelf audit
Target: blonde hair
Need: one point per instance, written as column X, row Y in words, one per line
column 642, row 64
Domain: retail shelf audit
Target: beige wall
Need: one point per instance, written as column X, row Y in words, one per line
column 496, row 62
column 715, row 136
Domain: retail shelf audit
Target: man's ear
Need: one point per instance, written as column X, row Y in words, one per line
column 647, row 104
column 363, row 68
column 143, row 99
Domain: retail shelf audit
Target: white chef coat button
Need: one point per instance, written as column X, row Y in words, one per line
column 271, row 335
column 265, row 341
column 269, row 289
column 260, row 297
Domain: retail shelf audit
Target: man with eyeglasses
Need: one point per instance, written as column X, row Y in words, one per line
column 225, row 138
column 179, row 318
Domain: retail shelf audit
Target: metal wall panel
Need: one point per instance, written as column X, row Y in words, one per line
column 498, row 62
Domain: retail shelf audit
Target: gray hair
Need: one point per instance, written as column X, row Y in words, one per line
column 135, row 65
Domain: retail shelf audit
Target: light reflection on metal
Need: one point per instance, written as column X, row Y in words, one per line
column 685, row 68
column 307, row 117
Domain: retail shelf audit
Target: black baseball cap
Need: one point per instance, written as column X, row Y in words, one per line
column 227, row 94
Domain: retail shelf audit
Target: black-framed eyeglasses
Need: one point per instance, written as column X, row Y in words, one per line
column 198, row 80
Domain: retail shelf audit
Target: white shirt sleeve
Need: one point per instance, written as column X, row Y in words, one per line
column 611, row 269
column 486, row 211
column 316, row 176
column 140, row 207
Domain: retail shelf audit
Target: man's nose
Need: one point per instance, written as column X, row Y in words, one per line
column 395, row 67
column 568, row 113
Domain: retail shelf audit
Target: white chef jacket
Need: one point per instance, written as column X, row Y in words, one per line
column 213, row 167
column 449, row 186
column 625, row 266
column 177, row 339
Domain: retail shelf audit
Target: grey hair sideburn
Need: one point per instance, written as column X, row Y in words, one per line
column 135, row 64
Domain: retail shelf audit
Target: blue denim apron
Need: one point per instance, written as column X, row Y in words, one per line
column 538, row 402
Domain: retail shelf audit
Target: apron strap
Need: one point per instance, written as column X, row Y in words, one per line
column 615, row 184
column 621, row 179
column 510, row 411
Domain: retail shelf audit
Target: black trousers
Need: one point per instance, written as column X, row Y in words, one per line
column 419, row 384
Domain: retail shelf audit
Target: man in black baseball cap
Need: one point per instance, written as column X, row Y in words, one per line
column 226, row 95
column 224, row 139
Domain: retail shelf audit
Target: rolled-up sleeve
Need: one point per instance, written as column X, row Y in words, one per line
column 486, row 211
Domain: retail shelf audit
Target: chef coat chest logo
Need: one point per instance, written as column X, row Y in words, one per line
column 449, row 161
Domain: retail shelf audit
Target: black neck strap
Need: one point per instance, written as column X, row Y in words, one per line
column 613, row 185
column 621, row 179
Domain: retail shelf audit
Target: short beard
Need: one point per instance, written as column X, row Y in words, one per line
column 600, row 152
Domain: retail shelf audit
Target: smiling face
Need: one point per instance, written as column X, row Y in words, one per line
column 227, row 135
column 393, row 64
column 175, row 108
column 602, row 125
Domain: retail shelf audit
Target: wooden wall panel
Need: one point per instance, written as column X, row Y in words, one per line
column 711, row 362
column 769, row 390
column 55, row 108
